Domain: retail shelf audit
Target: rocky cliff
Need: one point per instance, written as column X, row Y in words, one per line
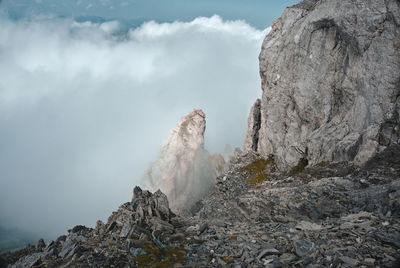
column 330, row 75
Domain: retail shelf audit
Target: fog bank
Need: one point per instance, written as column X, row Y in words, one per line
column 84, row 108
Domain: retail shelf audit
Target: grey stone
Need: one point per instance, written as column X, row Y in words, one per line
column 267, row 252
column 28, row 261
column 67, row 248
column 391, row 239
column 287, row 258
column 203, row 227
column 254, row 124
column 137, row 251
column 369, row 261
column 126, row 228
column 350, row 261
column 40, row 245
column 218, row 223
column 308, row 226
column 303, row 247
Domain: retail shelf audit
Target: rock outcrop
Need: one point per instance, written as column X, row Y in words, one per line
column 330, row 75
column 184, row 170
column 141, row 233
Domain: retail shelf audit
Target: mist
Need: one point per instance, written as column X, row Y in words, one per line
column 85, row 107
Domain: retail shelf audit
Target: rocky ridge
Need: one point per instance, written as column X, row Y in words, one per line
column 331, row 215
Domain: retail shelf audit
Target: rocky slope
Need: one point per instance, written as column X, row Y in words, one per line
column 330, row 75
column 332, row 215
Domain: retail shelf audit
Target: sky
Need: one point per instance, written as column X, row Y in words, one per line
column 86, row 102
column 258, row 13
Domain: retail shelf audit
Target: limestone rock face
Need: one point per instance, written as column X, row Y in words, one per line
column 330, row 75
column 254, row 124
column 184, row 170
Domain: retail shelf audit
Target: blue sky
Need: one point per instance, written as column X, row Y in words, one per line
column 258, row 13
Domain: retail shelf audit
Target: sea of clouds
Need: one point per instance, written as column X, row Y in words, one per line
column 85, row 107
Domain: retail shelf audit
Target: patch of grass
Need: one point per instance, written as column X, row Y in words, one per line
column 78, row 261
column 299, row 167
column 323, row 164
column 256, row 170
column 316, row 175
column 157, row 257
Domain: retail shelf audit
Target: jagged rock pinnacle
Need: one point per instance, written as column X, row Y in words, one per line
column 184, row 170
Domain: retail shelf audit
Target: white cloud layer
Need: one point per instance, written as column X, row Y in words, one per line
column 84, row 108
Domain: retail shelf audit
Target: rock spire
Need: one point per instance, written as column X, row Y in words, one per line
column 184, row 170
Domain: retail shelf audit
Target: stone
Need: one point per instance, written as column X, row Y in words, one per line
column 218, row 223
column 40, row 245
column 303, row 247
column 203, row 227
column 161, row 205
column 308, row 226
column 28, row 261
column 100, row 228
column 254, row 124
column 137, row 251
column 329, row 73
column 357, row 216
column 350, row 261
column 391, row 239
column 369, row 261
column 111, row 226
column 67, row 248
column 126, row 228
column 287, row 258
column 137, row 193
column 267, row 252
column 191, row 229
column 177, row 237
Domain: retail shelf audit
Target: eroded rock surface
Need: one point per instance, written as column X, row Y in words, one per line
column 331, row 83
